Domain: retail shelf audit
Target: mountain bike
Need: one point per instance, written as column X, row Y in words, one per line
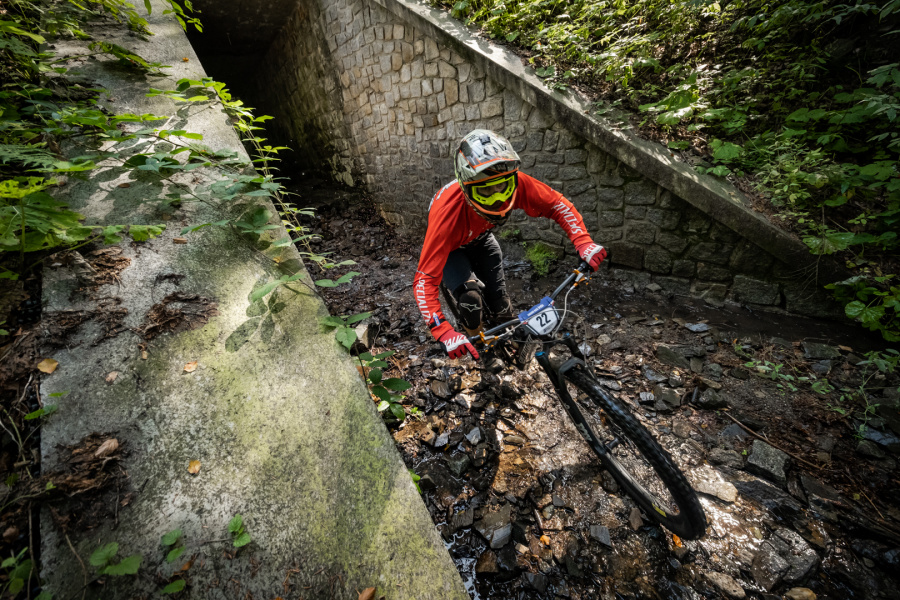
column 624, row 446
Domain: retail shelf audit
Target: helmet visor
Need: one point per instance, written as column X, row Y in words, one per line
column 494, row 192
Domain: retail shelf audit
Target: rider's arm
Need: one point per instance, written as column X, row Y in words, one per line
column 540, row 200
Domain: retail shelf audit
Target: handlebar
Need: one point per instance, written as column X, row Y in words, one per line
column 573, row 279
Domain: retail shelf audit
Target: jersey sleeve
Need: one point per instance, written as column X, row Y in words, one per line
column 543, row 201
column 428, row 277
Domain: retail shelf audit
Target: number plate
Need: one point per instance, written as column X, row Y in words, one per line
column 541, row 318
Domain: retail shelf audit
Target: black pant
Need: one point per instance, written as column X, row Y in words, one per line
column 474, row 275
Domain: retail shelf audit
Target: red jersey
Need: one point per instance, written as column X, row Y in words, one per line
column 452, row 223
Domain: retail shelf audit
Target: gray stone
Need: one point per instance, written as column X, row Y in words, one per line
column 653, row 375
column 601, row 534
column 671, row 242
column 537, row 581
column 815, row 351
column 768, row 462
column 713, row 370
column 487, row 563
column 801, row 558
column 726, row 585
column 709, row 399
column 657, row 260
column 707, row 480
column 885, row 439
column 647, row 398
column 800, row 593
column 640, row 192
column 670, row 356
column 697, row 327
column 667, row 395
column 634, row 519
column 728, row 458
column 630, row 255
column 458, row 463
column 768, row 567
column 474, row 436
column 687, row 268
column 870, row 449
column 462, row 519
column 754, row 291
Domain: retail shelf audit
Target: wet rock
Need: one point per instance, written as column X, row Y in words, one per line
column 479, row 457
column 610, row 384
column 496, row 527
column 734, row 431
column 707, row 480
column 514, row 440
column 601, row 534
column 506, row 560
column 870, row 449
column 768, row 567
column 725, row 584
column 713, row 370
column 426, row 483
column 696, row 365
column 667, row 395
column 608, row 482
column 558, row 502
column 634, row 519
column 440, row 388
column 461, row 519
column 647, row 398
column 740, row 373
column 442, row 440
column 768, row 462
column 537, row 581
column 465, row 400
column 676, row 380
column 458, row 463
column 711, row 400
column 800, row 594
column 697, row 327
column 823, row 367
column 779, row 503
column 813, row 351
column 671, row 356
column 885, row 439
column 509, row 391
column 572, row 567
column 653, row 375
column 487, row 563
column 728, row 458
column 474, row 436
column 681, row 428
column 798, row 554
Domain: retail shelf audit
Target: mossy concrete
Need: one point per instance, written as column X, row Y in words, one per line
column 276, row 412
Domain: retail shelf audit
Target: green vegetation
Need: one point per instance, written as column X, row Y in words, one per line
column 797, row 98
column 540, row 256
column 239, row 535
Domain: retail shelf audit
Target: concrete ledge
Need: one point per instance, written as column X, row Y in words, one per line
column 714, row 197
column 285, row 430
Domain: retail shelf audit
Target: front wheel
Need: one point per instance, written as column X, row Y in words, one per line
column 634, row 458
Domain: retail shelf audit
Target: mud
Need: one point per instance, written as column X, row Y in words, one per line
column 524, row 507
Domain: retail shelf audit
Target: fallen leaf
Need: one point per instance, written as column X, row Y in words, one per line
column 112, row 376
column 107, row 448
column 677, row 541
column 124, row 185
column 185, row 566
column 144, row 354
column 190, row 367
column 179, row 240
column 185, row 59
column 846, row 348
column 48, row 365
column 545, row 540
column 367, row 594
column 194, row 467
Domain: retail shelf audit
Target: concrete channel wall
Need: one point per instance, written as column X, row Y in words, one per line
column 378, row 92
column 258, row 392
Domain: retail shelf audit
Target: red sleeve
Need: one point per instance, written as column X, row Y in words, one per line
column 540, row 200
column 440, row 240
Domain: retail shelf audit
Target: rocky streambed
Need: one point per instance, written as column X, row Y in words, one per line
column 800, row 486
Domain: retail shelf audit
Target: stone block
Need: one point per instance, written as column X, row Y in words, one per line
column 431, row 69
column 710, row 252
column 610, row 198
column 611, row 218
column 473, row 112
column 396, row 61
column 750, row 259
column 604, row 236
column 657, row 260
column 664, row 219
column 768, row 462
column 721, row 233
column 635, row 213
column 459, row 112
column 405, row 73
column 671, row 242
column 538, row 120
column 710, row 272
column 674, row 285
column 551, row 141
column 640, row 192
column 427, row 88
column 630, row 255
column 682, row 268
column 492, row 107
column 446, row 70
column 476, row 91
column 451, row 91
column 535, row 140
column 464, row 72
column 640, row 233
column 576, row 156
column 407, row 52
column 568, row 173
column 754, row 291
column 695, row 221
column 544, row 172
column 574, row 188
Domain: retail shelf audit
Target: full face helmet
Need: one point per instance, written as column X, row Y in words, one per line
column 487, row 167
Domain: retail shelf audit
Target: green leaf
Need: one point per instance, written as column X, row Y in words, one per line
column 235, row 524
column 379, row 364
column 171, row 537
column 365, row 356
column 381, row 393
column 325, row 283
column 346, row 277
column 398, row 411
column 375, row 375
column 174, row 587
column 346, row 336
column 42, row 412
column 829, row 243
column 396, row 384
column 174, row 553
column 356, row 318
column 242, row 540
column 104, row 554
column 725, row 151
column 333, row 322
column 264, row 291
column 128, row 566
column 383, row 405
column 385, row 354
column 142, row 233
column 866, row 314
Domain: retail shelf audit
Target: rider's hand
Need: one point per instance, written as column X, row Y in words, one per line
column 455, row 344
column 591, row 253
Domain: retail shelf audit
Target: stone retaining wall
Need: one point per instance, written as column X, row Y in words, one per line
column 378, row 92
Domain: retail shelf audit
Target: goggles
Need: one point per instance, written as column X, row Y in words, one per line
column 494, row 191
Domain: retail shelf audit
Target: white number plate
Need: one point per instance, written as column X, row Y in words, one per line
column 541, row 318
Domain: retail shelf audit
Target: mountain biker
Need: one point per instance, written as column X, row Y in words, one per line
column 460, row 249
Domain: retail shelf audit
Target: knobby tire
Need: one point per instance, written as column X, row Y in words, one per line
column 690, row 521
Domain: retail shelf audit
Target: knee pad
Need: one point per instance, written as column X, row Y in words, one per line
column 470, row 307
